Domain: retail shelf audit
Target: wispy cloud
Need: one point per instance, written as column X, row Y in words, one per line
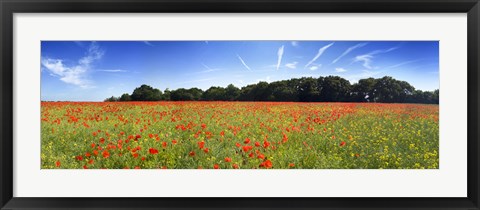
column 402, row 64
column 74, row 74
column 367, row 58
column 320, row 52
column 350, row 49
column 340, row 70
column 294, row 43
column 208, row 69
column 148, row 43
column 280, row 55
column 243, row 62
column 292, row 65
column 112, row 70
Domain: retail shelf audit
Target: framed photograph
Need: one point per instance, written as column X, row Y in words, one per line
column 239, row 105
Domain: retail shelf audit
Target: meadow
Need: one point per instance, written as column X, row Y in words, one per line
column 238, row 135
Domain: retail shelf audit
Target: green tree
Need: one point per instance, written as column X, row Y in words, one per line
column 181, row 94
column 363, row 90
column 166, row 95
column 308, row 89
column 215, row 94
column 232, row 92
column 125, row 97
column 111, row 99
column 334, row 89
column 146, row 93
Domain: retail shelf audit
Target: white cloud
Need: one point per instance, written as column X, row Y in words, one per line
column 148, row 43
column 294, row 43
column 75, row 74
column 243, row 62
column 350, row 49
column 292, row 65
column 315, row 67
column 367, row 58
column 320, row 52
column 280, row 55
column 340, row 70
column 94, row 53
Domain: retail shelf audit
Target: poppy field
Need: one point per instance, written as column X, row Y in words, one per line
column 238, row 135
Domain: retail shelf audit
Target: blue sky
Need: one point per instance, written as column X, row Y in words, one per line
column 93, row 71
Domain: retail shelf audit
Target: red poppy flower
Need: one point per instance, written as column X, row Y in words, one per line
column 174, row 141
column 57, row 163
column 206, row 150
column 201, row 144
column 261, row 156
column 246, row 148
column 266, row 164
column 102, row 140
column 204, row 126
column 153, row 151
column 95, row 152
column 164, row 144
column 266, row 144
column 250, row 155
column 247, row 140
column 257, row 144
column 87, row 154
column 137, row 167
column 191, row 154
column 285, row 138
column 342, row 143
column 85, row 167
column 235, row 166
column 106, row 154
column 291, row 165
column 138, row 136
column 227, row 159
column 238, row 144
column 79, row 158
column 216, row 166
column 92, row 145
column 135, row 155
column 143, row 158
column 90, row 161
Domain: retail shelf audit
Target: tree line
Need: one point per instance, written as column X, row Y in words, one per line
column 305, row 89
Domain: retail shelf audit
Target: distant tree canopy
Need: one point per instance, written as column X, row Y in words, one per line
column 305, row 89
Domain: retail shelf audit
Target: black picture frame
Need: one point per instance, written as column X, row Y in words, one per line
column 10, row 7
